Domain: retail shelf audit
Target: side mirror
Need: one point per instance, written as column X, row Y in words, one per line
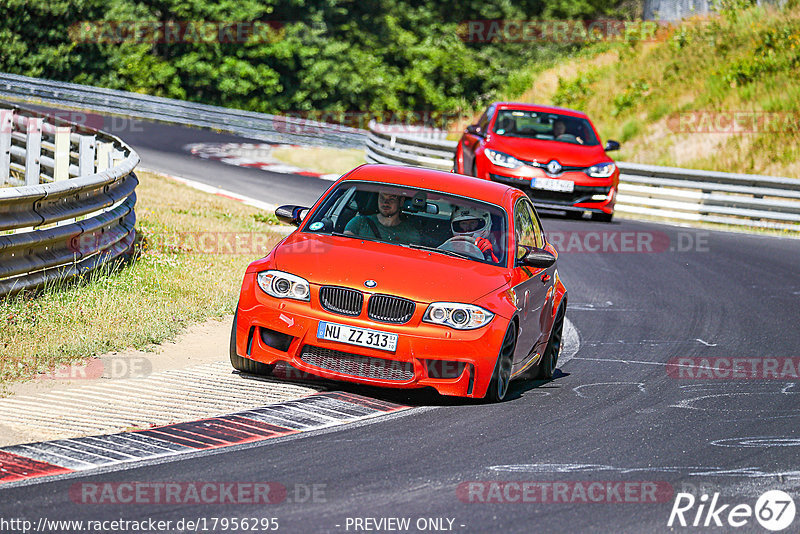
column 536, row 257
column 611, row 145
column 474, row 130
column 291, row 214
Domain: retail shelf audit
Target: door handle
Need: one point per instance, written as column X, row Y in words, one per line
column 545, row 278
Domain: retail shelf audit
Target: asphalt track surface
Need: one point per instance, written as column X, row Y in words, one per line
column 613, row 413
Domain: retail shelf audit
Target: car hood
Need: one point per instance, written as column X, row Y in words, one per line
column 418, row 275
column 543, row 151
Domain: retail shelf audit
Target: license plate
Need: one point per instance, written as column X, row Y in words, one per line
column 354, row 335
column 549, row 184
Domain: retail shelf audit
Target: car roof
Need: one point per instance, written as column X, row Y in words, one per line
column 541, row 108
column 445, row 182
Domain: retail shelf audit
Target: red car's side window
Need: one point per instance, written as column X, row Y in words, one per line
column 537, row 225
column 486, row 118
column 526, row 227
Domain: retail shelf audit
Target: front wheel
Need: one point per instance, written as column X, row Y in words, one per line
column 553, row 349
column 501, row 378
column 246, row 365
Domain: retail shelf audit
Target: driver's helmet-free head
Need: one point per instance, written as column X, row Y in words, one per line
column 471, row 222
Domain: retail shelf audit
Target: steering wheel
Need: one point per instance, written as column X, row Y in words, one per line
column 463, row 245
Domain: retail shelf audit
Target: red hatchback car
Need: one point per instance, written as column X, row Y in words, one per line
column 406, row 277
column 553, row 154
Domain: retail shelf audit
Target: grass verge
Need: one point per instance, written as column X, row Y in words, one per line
column 192, row 252
column 320, row 159
column 717, row 93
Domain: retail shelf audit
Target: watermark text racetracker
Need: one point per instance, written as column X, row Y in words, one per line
column 204, row 242
column 581, row 241
column 622, row 241
column 176, row 31
column 734, row 122
column 557, row 31
column 111, row 367
column 192, row 493
column 314, row 122
column 734, row 368
column 565, row 491
column 86, row 122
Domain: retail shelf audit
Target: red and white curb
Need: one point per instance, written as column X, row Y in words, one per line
column 253, row 155
column 19, row 463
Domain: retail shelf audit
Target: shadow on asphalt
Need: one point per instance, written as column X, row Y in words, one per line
column 418, row 397
column 429, row 396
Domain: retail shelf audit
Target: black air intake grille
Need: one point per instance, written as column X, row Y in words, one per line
column 388, row 309
column 341, row 300
column 357, row 365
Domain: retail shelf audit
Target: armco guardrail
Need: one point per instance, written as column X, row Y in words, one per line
column 67, row 197
column 262, row 126
column 409, row 145
column 669, row 192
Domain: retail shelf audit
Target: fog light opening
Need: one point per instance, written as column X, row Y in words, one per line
column 276, row 340
column 444, row 369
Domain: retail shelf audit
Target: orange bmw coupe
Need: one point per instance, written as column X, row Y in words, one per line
column 407, row 278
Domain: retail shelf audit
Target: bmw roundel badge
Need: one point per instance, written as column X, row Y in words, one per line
column 370, row 283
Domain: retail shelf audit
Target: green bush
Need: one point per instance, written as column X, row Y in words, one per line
column 327, row 55
column 630, row 129
column 629, row 98
column 576, row 92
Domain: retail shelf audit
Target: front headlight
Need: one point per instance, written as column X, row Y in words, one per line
column 284, row 285
column 458, row 316
column 601, row 170
column 503, row 160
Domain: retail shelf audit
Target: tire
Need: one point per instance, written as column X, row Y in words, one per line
column 501, row 377
column 603, row 217
column 246, row 365
column 553, row 349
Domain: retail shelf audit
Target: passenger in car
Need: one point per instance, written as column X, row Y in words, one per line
column 506, row 125
column 388, row 224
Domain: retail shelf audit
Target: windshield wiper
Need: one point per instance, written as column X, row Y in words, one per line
column 353, row 236
column 440, row 251
column 340, row 234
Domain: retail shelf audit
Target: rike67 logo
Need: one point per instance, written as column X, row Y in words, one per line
column 774, row 510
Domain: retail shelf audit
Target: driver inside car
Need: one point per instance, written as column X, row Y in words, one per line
column 388, row 224
column 474, row 225
column 561, row 133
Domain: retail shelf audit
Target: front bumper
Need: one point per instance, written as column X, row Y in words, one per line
column 451, row 361
column 580, row 199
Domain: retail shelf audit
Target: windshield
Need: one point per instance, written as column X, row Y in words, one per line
column 412, row 217
column 548, row 126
